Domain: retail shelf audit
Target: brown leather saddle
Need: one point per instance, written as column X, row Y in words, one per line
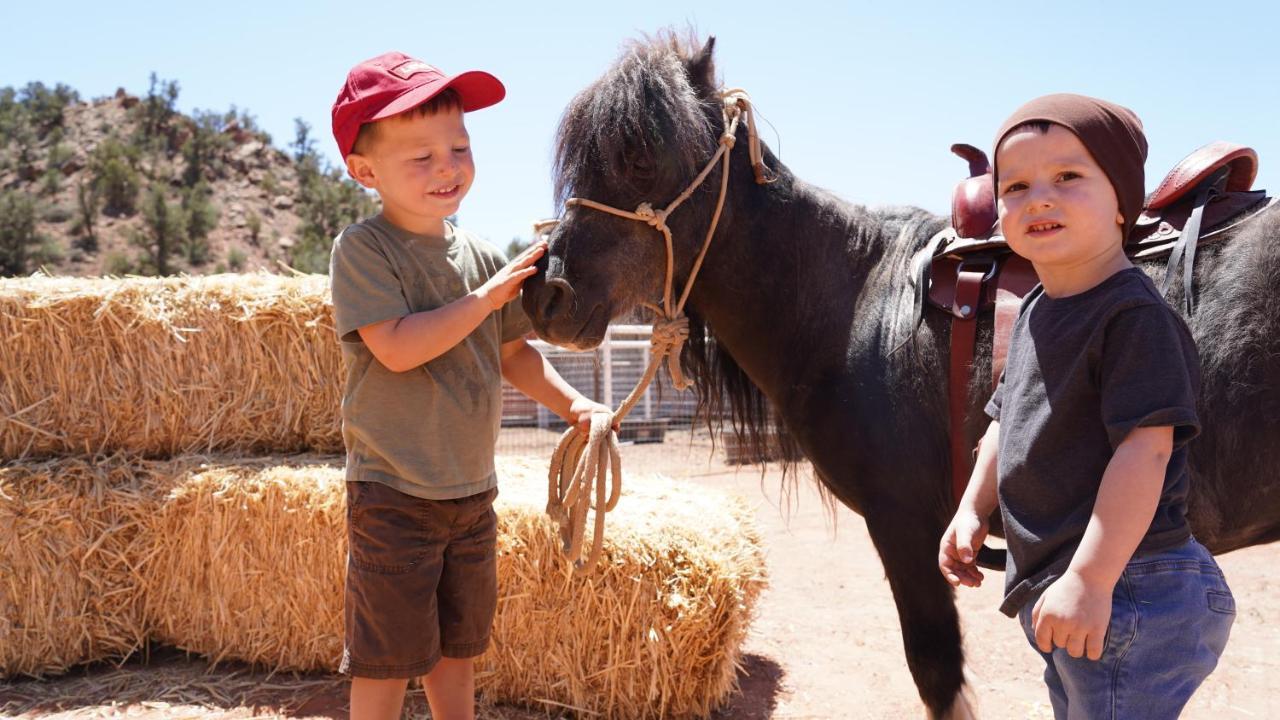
column 968, row 269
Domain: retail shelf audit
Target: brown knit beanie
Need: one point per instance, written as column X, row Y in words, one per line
column 1112, row 134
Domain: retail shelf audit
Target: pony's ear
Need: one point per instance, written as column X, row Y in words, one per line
column 701, row 67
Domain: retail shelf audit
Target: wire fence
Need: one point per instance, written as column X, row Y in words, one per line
column 607, row 375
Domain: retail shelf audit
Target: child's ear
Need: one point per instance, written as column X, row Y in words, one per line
column 1120, row 218
column 361, row 170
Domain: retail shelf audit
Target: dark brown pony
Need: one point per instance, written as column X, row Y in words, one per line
column 798, row 318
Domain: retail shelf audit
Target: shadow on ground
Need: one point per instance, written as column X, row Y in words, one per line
column 170, row 684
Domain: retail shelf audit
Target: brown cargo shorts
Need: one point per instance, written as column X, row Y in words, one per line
column 422, row 580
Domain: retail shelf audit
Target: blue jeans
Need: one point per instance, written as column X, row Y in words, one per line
column 1171, row 613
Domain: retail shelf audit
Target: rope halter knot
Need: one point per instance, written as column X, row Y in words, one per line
column 669, row 336
column 656, row 219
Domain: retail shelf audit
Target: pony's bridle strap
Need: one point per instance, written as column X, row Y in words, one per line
column 581, row 463
column 735, row 103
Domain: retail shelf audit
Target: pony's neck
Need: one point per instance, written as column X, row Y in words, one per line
column 782, row 279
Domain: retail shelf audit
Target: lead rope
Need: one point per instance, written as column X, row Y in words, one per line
column 581, row 465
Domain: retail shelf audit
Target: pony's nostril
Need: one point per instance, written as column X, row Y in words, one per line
column 556, row 297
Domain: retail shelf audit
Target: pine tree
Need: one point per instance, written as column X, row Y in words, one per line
column 88, row 201
column 117, row 179
column 201, row 217
column 164, row 229
column 18, row 234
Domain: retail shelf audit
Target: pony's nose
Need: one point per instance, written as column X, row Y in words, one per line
column 556, row 296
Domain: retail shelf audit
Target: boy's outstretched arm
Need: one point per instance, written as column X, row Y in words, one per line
column 1075, row 610
column 958, row 553
column 530, row 373
column 405, row 343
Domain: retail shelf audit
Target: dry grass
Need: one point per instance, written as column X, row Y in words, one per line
column 71, row 543
column 162, row 367
column 247, row 562
column 243, row 560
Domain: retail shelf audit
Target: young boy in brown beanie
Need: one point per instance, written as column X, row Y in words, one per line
column 1086, row 454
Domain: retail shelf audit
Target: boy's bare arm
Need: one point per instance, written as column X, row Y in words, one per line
column 957, row 556
column 1127, row 501
column 530, row 373
column 980, row 495
column 405, row 343
column 1074, row 612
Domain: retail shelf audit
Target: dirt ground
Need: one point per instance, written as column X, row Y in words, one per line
column 825, row 642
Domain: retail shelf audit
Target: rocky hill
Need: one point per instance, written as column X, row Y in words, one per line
column 128, row 185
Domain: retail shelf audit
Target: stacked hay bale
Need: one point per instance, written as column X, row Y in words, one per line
column 72, row 540
column 243, row 559
column 163, row 367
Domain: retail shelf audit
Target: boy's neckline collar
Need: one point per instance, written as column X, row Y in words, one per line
column 1112, row 279
column 443, row 239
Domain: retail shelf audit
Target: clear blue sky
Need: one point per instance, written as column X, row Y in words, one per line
column 866, row 98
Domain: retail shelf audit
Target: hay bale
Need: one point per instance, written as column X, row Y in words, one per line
column 244, row 559
column 247, row 562
column 166, row 366
column 71, row 541
column 656, row 633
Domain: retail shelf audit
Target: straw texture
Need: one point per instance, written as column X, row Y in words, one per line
column 166, row 366
column 247, row 560
column 243, row 559
column 72, row 539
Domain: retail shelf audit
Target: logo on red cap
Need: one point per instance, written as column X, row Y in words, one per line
column 409, row 68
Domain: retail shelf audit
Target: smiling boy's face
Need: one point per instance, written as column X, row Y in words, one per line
column 1057, row 207
column 421, row 166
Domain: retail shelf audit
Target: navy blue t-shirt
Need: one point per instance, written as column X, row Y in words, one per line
column 1083, row 372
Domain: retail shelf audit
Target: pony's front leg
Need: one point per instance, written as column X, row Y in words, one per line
column 908, row 547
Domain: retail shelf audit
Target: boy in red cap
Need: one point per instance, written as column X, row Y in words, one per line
column 428, row 331
column 1086, row 454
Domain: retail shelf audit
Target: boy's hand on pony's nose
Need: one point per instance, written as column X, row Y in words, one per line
column 505, row 284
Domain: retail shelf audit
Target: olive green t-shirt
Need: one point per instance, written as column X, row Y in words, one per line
column 429, row 431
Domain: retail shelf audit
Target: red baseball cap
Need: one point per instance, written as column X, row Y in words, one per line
column 393, row 83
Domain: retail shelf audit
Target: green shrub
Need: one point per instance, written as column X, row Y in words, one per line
column 118, row 263
column 45, row 105
column 163, row 232
column 329, row 203
column 88, row 200
column 57, row 214
column 11, row 113
column 270, row 184
column 203, row 149
column 113, row 165
column 201, row 217
column 51, row 182
column 47, row 252
column 254, row 223
column 19, row 241
column 153, row 115
column 236, row 259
